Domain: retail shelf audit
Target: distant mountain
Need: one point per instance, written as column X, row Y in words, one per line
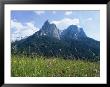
column 72, row 43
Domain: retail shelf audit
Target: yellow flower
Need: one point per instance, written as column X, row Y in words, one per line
column 14, row 61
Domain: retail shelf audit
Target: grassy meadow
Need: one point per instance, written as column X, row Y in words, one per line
column 23, row 66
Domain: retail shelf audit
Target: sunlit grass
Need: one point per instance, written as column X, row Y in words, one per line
column 22, row 66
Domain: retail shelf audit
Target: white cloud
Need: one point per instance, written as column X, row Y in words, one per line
column 89, row 19
column 19, row 30
column 68, row 12
column 39, row 12
column 54, row 12
column 64, row 23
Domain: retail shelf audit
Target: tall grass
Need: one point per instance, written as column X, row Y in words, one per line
column 23, row 66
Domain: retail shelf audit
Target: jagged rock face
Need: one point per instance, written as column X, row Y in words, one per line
column 82, row 33
column 73, row 32
column 49, row 30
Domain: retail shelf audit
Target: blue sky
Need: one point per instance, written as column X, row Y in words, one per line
column 25, row 23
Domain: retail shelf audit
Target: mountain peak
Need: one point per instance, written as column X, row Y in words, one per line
column 46, row 22
column 82, row 33
column 73, row 26
column 81, row 30
column 74, row 32
column 49, row 30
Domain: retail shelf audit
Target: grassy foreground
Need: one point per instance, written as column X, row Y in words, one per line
column 22, row 66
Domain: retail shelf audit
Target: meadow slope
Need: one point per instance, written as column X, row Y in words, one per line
column 23, row 66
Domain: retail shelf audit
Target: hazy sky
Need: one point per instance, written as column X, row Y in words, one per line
column 25, row 23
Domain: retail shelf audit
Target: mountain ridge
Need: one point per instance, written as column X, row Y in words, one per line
column 69, row 44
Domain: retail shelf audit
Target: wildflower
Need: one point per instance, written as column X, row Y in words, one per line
column 14, row 61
